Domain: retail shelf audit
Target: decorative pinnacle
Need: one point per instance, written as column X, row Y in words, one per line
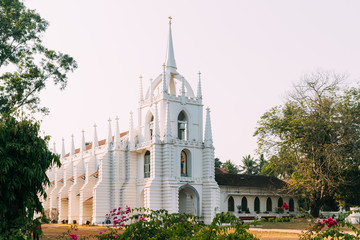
column 170, row 18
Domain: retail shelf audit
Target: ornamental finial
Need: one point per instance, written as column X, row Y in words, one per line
column 170, row 19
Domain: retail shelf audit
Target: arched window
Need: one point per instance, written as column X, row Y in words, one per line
column 280, row 202
column 151, row 126
column 184, row 164
column 244, row 204
column 257, row 204
column 268, row 204
column 231, row 204
column 182, row 126
column 291, row 205
column 147, row 165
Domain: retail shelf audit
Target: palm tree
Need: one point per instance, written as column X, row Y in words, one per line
column 249, row 165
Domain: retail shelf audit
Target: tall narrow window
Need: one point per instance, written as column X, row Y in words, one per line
column 147, row 165
column 268, row 205
column 182, row 126
column 291, row 205
column 151, row 127
column 280, row 202
column 183, row 164
column 231, row 204
column 257, row 204
column 244, row 204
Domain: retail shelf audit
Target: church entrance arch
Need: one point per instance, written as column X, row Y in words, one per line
column 189, row 202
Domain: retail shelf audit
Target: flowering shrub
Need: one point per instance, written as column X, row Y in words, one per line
column 142, row 223
column 281, row 209
column 319, row 231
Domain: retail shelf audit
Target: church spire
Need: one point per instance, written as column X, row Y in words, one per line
column 72, row 145
column 117, row 132
column 109, row 139
column 170, row 57
column 199, row 92
column 141, row 97
column 208, row 141
column 131, row 132
column 164, row 80
column 54, row 149
column 167, row 136
column 63, row 149
column 83, row 146
column 156, row 125
column 95, row 141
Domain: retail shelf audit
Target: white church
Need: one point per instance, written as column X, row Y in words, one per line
column 165, row 161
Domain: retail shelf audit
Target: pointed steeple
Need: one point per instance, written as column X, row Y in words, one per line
column 72, row 152
column 109, row 138
column 117, row 132
column 183, row 87
column 167, row 135
column 150, row 91
column 63, row 149
column 131, row 131
column 164, row 80
column 199, row 92
column 54, row 149
column 83, row 146
column 208, row 141
column 141, row 97
column 156, row 125
column 95, row 143
column 170, row 57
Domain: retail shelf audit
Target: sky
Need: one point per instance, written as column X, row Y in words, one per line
column 250, row 54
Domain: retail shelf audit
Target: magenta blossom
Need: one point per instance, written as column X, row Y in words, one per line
column 73, row 236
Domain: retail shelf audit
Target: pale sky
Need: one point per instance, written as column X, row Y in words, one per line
column 250, row 54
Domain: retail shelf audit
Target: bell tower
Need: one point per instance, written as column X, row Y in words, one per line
column 175, row 162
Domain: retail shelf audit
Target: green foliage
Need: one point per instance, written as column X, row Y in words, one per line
column 218, row 163
column 230, row 167
column 249, row 165
column 24, row 159
column 314, row 139
column 26, row 66
column 159, row 224
column 21, row 49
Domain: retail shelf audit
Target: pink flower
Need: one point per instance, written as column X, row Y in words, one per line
column 100, row 232
column 330, row 222
column 73, row 236
column 116, row 236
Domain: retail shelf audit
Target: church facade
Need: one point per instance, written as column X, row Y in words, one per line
column 166, row 161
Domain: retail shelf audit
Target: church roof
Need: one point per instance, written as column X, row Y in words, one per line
column 100, row 143
column 244, row 180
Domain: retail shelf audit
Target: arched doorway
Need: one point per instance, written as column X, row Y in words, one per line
column 231, row 204
column 268, row 205
column 188, row 200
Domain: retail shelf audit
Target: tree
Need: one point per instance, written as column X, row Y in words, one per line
column 249, row 165
column 230, row 167
column 26, row 66
column 218, row 163
column 21, row 49
column 314, row 137
column 261, row 163
column 24, row 160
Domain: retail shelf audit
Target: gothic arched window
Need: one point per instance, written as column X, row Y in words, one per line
column 182, row 126
column 147, row 165
column 231, row 204
column 151, row 127
column 291, row 205
column 280, row 202
column 268, row 204
column 257, row 204
column 184, row 164
column 244, row 204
